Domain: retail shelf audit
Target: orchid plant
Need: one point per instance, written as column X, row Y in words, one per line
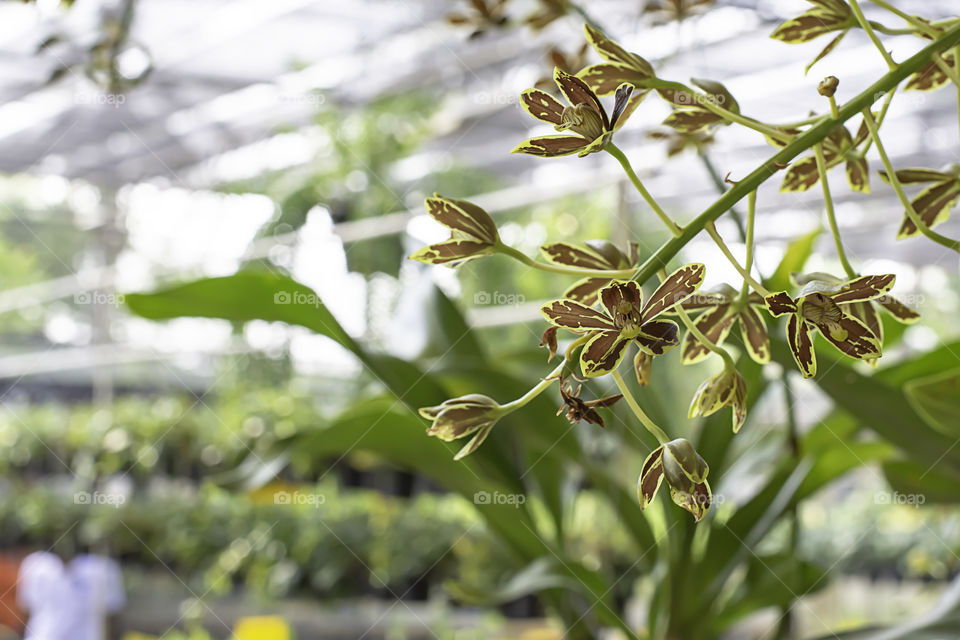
column 606, row 311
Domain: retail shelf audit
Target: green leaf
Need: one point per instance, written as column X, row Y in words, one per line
column 912, row 479
column 880, row 407
column 244, row 296
column 794, row 258
column 539, row 575
column 450, row 336
column 936, row 399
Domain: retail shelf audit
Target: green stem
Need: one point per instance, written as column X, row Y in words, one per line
column 692, row 328
column 537, row 389
column 887, row 99
column 919, row 24
column 748, row 262
column 801, row 142
column 645, row 420
column 557, row 268
column 868, row 28
column 831, row 216
column 712, row 230
column 834, row 112
column 895, row 183
column 956, row 61
column 793, row 443
column 615, row 151
column 705, row 101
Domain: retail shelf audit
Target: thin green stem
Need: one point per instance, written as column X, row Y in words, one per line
column 956, row 61
column 831, row 215
column 913, row 20
column 801, row 142
column 645, row 420
column 615, row 151
column 712, row 230
column 692, row 328
column 705, row 101
column 868, row 28
column 799, row 123
column 895, row 183
column 748, row 261
column 834, row 112
column 793, row 444
column 535, row 391
column 887, row 99
column 557, row 268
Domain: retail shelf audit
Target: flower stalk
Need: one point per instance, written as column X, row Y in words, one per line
column 615, row 151
column 518, row 255
column 644, row 419
column 800, row 143
column 831, row 216
column 712, row 231
column 868, row 28
column 940, row 239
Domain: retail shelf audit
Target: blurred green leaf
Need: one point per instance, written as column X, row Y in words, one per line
column 794, row 258
column 936, row 399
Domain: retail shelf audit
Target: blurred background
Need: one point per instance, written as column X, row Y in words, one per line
column 145, row 143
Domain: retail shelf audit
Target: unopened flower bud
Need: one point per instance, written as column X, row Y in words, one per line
column 828, row 86
column 726, row 389
column 460, row 417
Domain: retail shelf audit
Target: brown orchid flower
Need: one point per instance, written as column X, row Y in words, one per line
column 585, row 118
column 689, row 113
column 483, row 15
column 864, row 311
column 680, row 141
column 472, row 232
column 601, row 255
column 627, row 319
column 686, row 475
column 568, row 62
column 665, row 11
column 819, row 306
column 838, row 147
column 577, row 409
column 722, row 309
column 620, row 67
column 934, row 203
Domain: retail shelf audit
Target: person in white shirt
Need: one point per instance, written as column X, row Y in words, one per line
column 77, row 600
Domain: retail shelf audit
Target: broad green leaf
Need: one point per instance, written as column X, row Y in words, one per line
column 936, row 399
column 539, row 575
column 244, row 296
column 880, row 407
column 450, row 336
column 911, row 479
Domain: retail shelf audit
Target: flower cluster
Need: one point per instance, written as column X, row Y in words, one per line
column 604, row 310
